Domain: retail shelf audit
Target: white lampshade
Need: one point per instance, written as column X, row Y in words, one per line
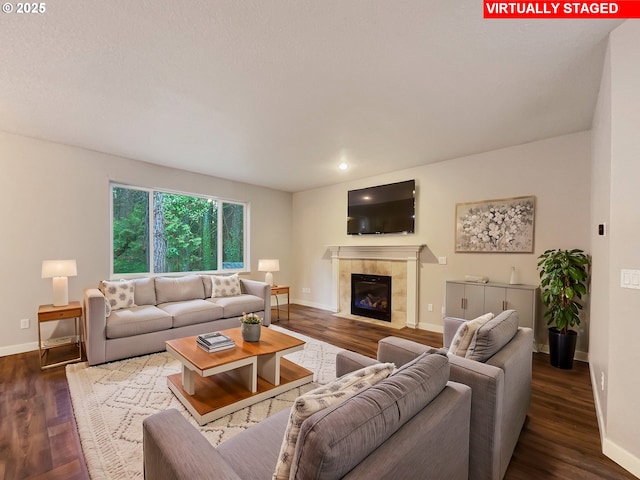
column 269, row 265
column 59, row 270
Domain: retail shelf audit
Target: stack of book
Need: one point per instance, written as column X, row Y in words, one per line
column 214, row 342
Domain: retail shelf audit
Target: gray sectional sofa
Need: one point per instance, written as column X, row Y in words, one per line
column 412, row 424
column 500, row 381
column 136, row 317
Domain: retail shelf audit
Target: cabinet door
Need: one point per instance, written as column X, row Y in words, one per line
column 454, row 303
column 523, row 302
column 494, row 299
column 474, row 301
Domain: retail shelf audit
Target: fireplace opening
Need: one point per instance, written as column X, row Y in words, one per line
column 371, row 296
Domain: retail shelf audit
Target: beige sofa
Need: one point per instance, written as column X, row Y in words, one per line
column 146, row 312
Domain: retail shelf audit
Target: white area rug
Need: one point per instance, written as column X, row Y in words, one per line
column 110, row 401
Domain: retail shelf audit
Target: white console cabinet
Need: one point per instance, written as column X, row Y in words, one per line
column 469, row 300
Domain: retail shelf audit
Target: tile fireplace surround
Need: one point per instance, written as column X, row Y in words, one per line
column 401, row 262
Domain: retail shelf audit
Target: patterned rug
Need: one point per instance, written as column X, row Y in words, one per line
column 110, row 401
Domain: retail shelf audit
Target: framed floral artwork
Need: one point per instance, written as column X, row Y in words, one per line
column 496, row 226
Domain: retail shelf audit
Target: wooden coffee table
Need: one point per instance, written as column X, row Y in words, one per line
column 213, row 385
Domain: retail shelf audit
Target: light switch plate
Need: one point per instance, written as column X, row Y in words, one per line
column 630, row 279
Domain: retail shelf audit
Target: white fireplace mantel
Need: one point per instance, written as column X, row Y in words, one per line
column 407, row 253
column 375, row 252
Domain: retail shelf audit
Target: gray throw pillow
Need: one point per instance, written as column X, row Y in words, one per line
column 492, row 336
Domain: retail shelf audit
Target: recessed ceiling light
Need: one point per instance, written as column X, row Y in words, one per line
column 343, row 165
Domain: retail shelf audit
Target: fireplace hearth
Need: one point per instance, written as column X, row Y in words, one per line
column 371, row 296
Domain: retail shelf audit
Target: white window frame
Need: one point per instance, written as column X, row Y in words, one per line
column 220, row 252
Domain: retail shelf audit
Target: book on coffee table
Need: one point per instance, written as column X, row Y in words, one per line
column 214, row 338
column 214, row 342
column 218, row 348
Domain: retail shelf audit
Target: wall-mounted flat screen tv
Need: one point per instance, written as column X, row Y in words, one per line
column 382, row 209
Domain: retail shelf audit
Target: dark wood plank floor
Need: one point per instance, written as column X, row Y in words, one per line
column 39, row 440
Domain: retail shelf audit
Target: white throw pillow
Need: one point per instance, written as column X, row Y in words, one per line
column 463, row 337
column 118, row 294
column 320, row 398
column 225, row 286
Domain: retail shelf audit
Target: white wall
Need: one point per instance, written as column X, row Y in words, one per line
column 556, row 171
column 600, row 245
column 617, row 328
column 54, row 203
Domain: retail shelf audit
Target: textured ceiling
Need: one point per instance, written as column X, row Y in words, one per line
column 278, row 92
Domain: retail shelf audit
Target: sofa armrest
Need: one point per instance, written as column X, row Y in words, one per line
column 95, row 326
column 348, row 361
column 262, row 290
column 451, row 325
column 174, row 450
column 487, row 405
column 400, row 351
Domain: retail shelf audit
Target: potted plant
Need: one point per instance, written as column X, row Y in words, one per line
column 250, row 327
column 564, row 275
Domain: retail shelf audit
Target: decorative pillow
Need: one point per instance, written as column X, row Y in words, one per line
column 320, row 398
column 118, row 294
column 179, row 289
column 107, row 307
column 463, row 337
column 225, row 286
column 492, row 336
column 144, row 291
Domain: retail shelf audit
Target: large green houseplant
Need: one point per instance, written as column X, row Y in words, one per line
column 564, row 275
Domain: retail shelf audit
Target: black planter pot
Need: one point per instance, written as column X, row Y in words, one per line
column 562, row 348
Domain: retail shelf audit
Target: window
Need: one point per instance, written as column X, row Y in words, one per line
column 154, row 231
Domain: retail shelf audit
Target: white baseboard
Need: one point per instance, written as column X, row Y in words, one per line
column 596, row 400
column 431, row 327
column 621, row 456
column 612, row 450
column 15, row 349
column 579, row 355
column 306, row 303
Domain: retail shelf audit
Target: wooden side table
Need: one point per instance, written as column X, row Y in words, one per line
column 49, row 313
column 281, row 289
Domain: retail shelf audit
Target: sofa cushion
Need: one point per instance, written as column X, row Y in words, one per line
column 492, row 336
column 225, row 286
column 192, row 312
column 179, row 289
column 236, row 306
column 118, row 294
column 127, row 322
column 320, row 398
column 464, row 335
column 333, row 441
column 144, row 291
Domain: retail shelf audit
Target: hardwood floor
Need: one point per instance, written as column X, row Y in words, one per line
column 38, row 434
column 39, row 439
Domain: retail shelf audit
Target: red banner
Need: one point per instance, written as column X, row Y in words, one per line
column 518, row 9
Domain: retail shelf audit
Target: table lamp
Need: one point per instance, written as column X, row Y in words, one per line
column 59, row 270
column 269, row 265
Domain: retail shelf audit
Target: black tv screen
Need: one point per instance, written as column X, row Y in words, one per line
column 382, row 209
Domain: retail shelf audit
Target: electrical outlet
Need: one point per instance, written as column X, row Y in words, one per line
column 430, row 307
column 306, row 290
column 442, row 260
column 24, row 323
column 602, row 381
